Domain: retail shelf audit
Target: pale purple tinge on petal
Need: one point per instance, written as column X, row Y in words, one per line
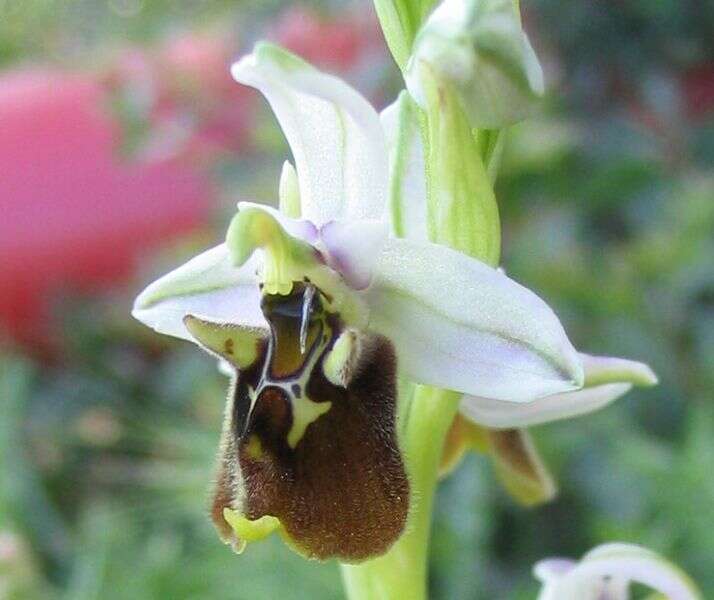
column 606, row 380
column 607, row 572
column 208, row 286
column 552, row 568
column 298, row 228
column 352, row 248
column 335, row 135
column 459, row 324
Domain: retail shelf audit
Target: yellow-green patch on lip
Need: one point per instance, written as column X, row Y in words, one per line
column 248, row 531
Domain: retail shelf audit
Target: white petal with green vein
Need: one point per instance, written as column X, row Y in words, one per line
column 334, row 133
column 459, row 324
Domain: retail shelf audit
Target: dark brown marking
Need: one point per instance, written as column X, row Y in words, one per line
column 228, row 346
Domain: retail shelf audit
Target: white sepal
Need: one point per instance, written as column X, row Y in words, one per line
column 459, row 324
column 606, row 379
column 500, row 414
column 207, row 286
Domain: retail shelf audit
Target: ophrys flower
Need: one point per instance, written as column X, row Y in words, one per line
column 316, row 307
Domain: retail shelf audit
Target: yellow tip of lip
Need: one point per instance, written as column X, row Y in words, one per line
column 250, row 531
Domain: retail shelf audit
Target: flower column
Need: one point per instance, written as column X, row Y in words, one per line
column 470, row 72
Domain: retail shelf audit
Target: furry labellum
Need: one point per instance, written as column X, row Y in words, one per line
column 309, row 444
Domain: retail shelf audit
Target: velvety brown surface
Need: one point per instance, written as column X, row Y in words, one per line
column 342, row 492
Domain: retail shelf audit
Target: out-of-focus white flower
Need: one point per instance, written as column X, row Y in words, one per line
column 607, row 572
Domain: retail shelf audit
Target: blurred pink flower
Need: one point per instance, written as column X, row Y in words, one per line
column 74, row 215
column 338, row 43
column 194, row 71
column 183, row 92
column 183, row 98
column 698, row 87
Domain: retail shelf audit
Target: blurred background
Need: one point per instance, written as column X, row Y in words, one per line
column 124, row 146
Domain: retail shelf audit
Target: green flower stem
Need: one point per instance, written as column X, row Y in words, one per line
column 397, row 20
column 402, row 572
column 462, row 213
column 400, row 21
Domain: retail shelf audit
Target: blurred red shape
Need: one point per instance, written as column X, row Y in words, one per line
column 338, row 43
column 189, row 102
column 72, row 213
column 698, row 84
column 193, row 71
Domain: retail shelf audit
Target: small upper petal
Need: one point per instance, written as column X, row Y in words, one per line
column 298, row 228
column 334, row 133
column 208, row 286
column 460, row 324
column 353, row 247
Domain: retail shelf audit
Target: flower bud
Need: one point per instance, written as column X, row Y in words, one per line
column 479, row 48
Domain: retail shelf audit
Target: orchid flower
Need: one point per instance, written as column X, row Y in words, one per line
column 607, row 572
column 317, row 307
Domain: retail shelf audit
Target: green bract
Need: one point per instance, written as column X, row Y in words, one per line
column 400, row 20
column 452, row 202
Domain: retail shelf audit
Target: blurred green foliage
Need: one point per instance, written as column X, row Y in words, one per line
column 107, row 451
